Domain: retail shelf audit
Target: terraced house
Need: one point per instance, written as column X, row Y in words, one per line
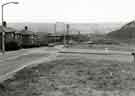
column 29, row 38
column 11, row 35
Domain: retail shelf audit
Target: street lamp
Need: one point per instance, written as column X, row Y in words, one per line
column 2, row 19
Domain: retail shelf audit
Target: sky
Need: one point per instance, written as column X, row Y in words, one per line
column 82, row 11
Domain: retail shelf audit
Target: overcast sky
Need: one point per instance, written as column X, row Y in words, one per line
column 70, row 11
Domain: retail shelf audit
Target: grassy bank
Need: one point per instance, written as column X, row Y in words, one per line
column 73, row 77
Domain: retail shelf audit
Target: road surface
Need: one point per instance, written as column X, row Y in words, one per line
column 95, row 51
column 14, row 61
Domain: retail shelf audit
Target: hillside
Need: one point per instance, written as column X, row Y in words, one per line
column 126, row 32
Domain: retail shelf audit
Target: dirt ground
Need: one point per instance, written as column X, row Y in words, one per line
column 73, row 76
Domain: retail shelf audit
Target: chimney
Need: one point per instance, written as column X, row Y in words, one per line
column 4, row 23
column 26, row 27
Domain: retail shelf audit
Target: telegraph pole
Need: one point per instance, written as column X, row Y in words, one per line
column 55, row 32
column 79, row 35
column 67, row 27
column 64, row 36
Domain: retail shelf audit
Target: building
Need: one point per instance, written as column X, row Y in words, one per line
column 28, row 38
column 55, row 38
column 10, row 34
column 42, row 38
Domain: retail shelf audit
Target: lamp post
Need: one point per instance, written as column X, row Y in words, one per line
column 2, row 19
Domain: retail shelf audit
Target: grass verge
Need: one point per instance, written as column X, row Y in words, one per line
column 73, row 77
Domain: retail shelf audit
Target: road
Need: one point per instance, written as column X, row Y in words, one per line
column 17, row 60
column 95, row 51
column 100, row 54
column 14, row 61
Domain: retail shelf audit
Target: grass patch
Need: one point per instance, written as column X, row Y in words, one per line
column 72, row 77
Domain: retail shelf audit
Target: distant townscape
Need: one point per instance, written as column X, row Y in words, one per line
column 40, row 34
column 21, row 35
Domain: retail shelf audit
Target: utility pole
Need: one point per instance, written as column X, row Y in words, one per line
column 64, row 36
column 79, row 36
column 67, row 27
column 55, row 32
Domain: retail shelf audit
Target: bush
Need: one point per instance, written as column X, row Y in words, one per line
column 12, row 45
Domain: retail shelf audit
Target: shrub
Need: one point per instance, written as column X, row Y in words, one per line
column 12, row 45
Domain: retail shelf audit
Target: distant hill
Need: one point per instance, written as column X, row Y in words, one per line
column 98, row 28
column 126, row 32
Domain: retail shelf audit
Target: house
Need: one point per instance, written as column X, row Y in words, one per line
column 28, row 37
column 10, row 34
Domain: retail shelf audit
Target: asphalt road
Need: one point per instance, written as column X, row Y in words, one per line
column 95, row 51
column 14, row 61
column 11, row 62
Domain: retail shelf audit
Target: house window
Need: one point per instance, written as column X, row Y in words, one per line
column 16, row 36
column 12, row 35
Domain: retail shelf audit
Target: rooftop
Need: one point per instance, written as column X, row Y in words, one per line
column 7, row 29
column 26, row 32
